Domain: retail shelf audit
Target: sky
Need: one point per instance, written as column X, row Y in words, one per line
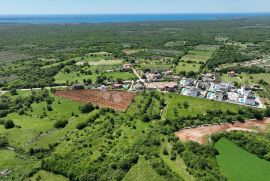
column 131, row 6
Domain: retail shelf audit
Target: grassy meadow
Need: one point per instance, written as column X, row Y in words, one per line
column 196, row 106
column 188, row 67
column 142, row 171
column 44, row 176
column 197, row 56
column 245, row 78
column 240, row 165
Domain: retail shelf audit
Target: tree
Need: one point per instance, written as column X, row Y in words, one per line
column 267, row 112
column 258, row 115
column 87, row 108
column 80, row 126
column 146, row 118
column 186, row 105
column 3, row 142
column 8, row 124
column 49, row 107
column 3, row 113
column 60, row 124
column 89, row 81
column 119, row 80
column 165, row 151
column 13, row 92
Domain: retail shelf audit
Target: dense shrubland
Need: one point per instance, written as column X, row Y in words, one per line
column 228, row 54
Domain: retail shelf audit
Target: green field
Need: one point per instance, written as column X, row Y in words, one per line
column 33, row 124
column 247, row 78
column 62, row 78
column 44, row 176
column 240, row 165
column 156, row 67
column 197, row 56
column 74, row 77
column 106, row 62
column 18, row 165
column 188, row 67
column 196, row 105
column 122, row 75
column 100, row 58
column 178, row 166
column 142, row 171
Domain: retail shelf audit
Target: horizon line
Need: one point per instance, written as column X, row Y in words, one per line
column 65, row 14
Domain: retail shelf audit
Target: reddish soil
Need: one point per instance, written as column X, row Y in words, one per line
column 118, row 100
column 199, row 134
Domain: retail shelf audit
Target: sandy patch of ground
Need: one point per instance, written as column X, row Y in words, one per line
column 198, row 134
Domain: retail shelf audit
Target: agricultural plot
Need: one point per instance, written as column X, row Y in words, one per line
column 131, row 51
column 120, row 75
column 174, row 43
column 165, row 52
column 187, row 67
column 62, row 78
column 239, row 165
column 119, row 100
column 210, row 48
column 100, row 58
column 156, row 67
column 106, row 62
column 197, row 56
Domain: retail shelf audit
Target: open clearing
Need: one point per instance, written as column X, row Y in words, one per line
column 17, row 165
column 44, row 175
column 142, row 171
column 196, row 106
column 118, row 100
column 102, row 62
column 199, row 134
column 197, row 56
column 188, row 67
column 245, row 78
column 62, row 77
column 239, row 165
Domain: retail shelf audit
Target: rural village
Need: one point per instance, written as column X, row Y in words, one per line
column 205, row 86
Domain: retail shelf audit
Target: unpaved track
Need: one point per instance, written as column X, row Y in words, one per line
column 200, row 133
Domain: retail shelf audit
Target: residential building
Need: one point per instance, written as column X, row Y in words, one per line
column 127, row 66
column 231, row 74
column 186, row 82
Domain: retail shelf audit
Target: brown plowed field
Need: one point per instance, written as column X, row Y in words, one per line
column 118, row 100
column 200, row 134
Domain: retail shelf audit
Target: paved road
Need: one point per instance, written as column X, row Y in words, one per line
column 139, row 77
column 3, row 92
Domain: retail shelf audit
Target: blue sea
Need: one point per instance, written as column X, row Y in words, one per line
column 73, row 19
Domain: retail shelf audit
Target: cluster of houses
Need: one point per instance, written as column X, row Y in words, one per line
column 205, row 87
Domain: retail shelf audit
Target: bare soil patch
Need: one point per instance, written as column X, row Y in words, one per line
column 198, row 134
column 118, row 100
